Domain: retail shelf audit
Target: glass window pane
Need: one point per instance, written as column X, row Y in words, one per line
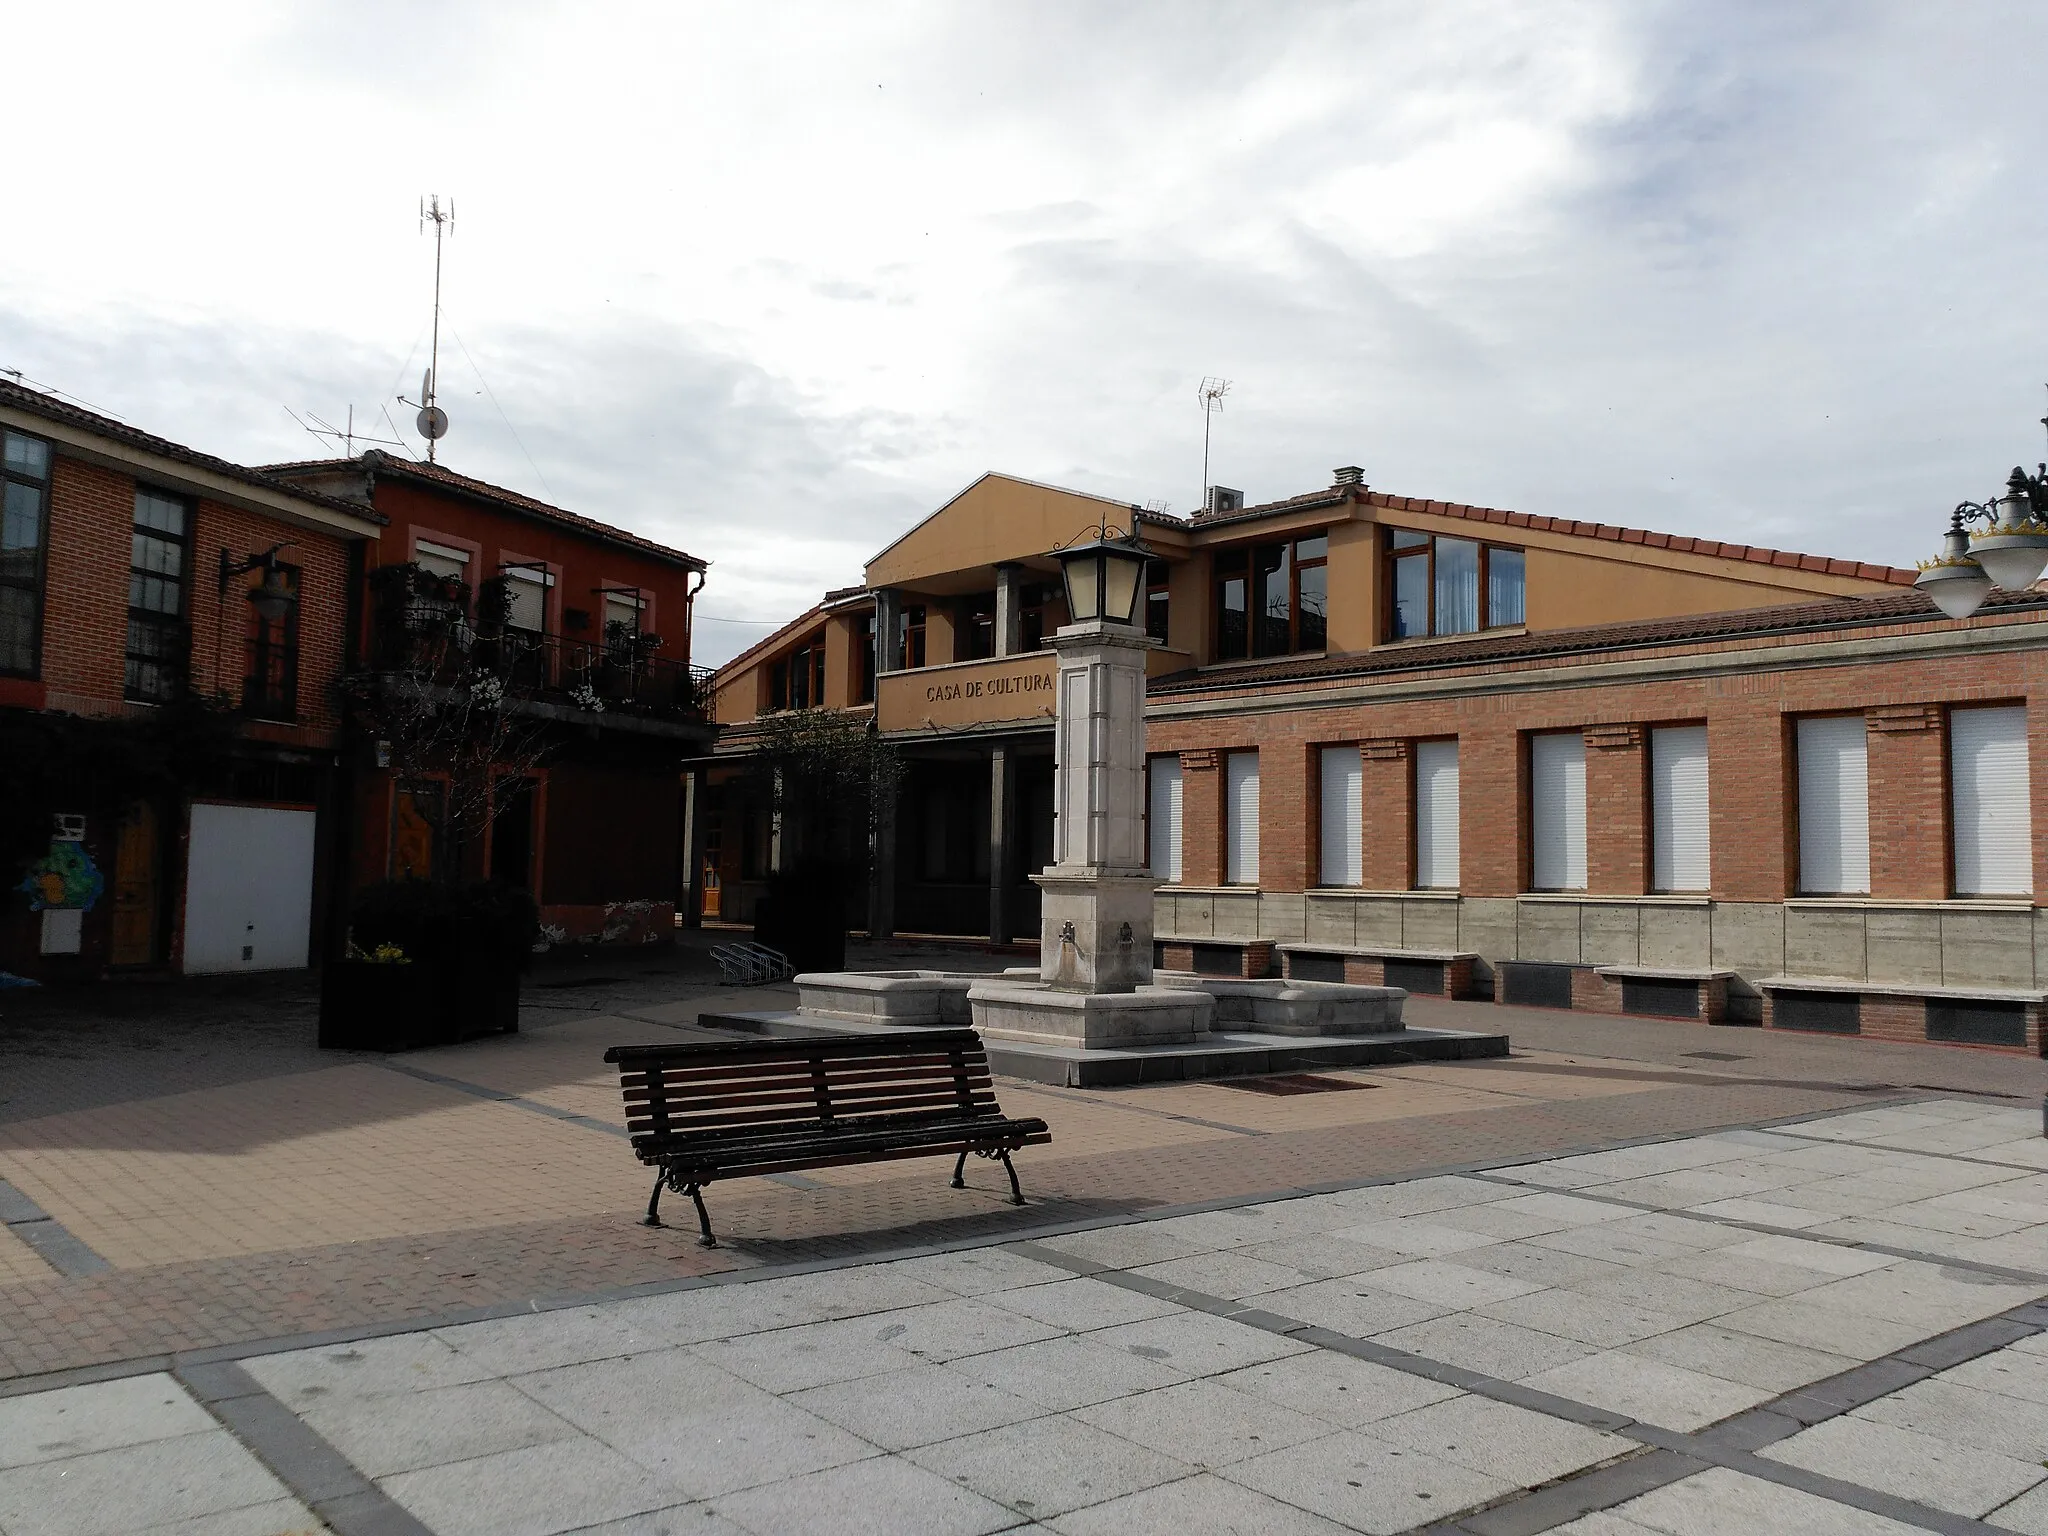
column 1314, row 621
column 1504, row 587
column 1313, row 548
column 22, row 526
column 1408, row 538
column 1411, row 595
column 1272, row 599
column 17, row 630
column 159, row 512
column 27, row 455
column 1457, row 586
column 1230, row 618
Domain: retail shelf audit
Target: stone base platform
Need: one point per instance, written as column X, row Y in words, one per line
column 1225, row 1053
column 1277, row 1007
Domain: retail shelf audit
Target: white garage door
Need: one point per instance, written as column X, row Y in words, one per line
column 248, row 889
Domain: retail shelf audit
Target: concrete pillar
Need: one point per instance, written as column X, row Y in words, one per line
column 1009, row 608
column 1002, row 836
column 882, row 874
column 888, row 608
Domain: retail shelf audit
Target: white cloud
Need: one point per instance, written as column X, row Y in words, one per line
column 771, row 283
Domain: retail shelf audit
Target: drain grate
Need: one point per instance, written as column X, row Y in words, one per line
column 1714, row 1055
column 1292, row 1082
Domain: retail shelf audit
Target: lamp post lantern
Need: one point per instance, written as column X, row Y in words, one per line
column 2011, row 552
column 1104, row 577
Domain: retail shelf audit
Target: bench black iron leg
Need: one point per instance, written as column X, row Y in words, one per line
column 703, row 1219
column 1016, row 1194
column 958, row 1182
column 653, row 1218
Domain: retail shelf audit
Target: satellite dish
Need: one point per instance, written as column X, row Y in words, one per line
column 432, row 422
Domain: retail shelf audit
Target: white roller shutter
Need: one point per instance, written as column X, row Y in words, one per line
column 248, row 888
column 1342, row 815
column 1557, row 805
column 1834, row 806
column 1678, row 808
column 1994, row 827
column 1241, row 815
column 1436, row 815
column 1163, row 822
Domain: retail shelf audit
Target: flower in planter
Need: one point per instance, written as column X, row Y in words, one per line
column 383, row 954
column 486, row 690
column 583, row 696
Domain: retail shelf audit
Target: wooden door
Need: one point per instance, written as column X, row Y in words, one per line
column 137, row 888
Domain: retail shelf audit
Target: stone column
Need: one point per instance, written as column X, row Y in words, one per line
column 1009, row 608
column 882, row 875
column 1096, row 929
column 1002, row 831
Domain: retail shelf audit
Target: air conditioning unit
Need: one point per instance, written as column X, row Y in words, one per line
column 1223, row 499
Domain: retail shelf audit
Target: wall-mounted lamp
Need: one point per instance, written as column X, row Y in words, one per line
column 273, row 599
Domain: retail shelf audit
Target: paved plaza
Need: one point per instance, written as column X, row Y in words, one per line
column 1637, row 1278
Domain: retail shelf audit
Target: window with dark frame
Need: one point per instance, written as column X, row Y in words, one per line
column 974, row 638
column 1157, row 600
column 156, row 596
column 1040, row 607
column 867, row 659
column 1446, row 586
column 270, row 689
column 910, row 637
column 24, row 508
column 1273, row 599
column 798, row 681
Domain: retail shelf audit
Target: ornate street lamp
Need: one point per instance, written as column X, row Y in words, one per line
column 273, row 599
column 1105, row 577
column 2010, row 553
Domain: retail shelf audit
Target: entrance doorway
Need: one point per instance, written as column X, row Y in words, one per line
column 138, row 888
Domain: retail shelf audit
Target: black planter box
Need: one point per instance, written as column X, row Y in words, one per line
column 366, row 1006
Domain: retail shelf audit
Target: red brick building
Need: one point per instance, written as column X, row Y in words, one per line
column 593, row 643
column 127, row 566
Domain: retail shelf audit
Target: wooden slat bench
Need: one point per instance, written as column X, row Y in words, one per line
column 727, row 1110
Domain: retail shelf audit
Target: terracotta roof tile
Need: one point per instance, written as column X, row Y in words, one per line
column 379, row 462
column 51, row 408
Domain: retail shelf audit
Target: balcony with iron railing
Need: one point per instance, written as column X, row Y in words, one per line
column 423, row 630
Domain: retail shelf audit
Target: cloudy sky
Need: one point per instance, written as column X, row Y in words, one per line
column 772, row 281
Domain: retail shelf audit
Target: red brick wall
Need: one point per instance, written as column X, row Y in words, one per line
column 1750, row 764
column 1201, row 818
column 1290, row 784
column 1387, row 802
column 85, row 596
column 1617, row 835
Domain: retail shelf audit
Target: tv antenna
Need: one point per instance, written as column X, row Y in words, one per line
column 432, row 421
column 347, row 436
column 1210, row 393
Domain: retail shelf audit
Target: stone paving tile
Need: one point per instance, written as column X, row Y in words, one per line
column 886, row 1496
column 1855, row 1335
column 948, row 1330
column 2027, row 1514
column 1081, row 1304
column 107, row 1415
column 1720, row 1502
column 1450, row 1285
column 1414, row 1236
column 1233, row 1274
column 1355, row 1307
column 1367, row 1484
column 1338, row 1389
column 1069, row 1373
column 1323, row 1255
column 1544, row 1266
column 1567, row 1314
column 127, row 1489
column 979, row 1271
column 1654, row 1391
column 1196, row 1344
column 404, row 1432
column 279, row 1517
column 919, row 1406
column 1046, row 1467
column 2012, row 1372
column 1195, row 1506
column 1949, row 1410
column 1497, row 1349
column 809, row 1355
column 1204, row 1423
column 1515, row 1444
column 1740, row 1357
column 1930, row 1471
column 537, row 1491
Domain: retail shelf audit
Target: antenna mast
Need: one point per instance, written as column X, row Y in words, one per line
column 1210, row 393
column 433, row 421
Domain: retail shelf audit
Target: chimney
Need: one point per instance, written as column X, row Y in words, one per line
column 1350, row 474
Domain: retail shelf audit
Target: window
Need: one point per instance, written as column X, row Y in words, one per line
column 1442, row 586
column 865, row 641
column 1241, row 818
column 1163, row 821
column 1040, row 608
column 798, row 681
column 526, row 588
column 975, row 637
column 623, row 607
column 1557, row 812
column 1436, row 815
column 1834, row 806
column 910, row 637
column 1272, row 599
column 270, row 691
column 441, row 559
column 1679, row 837
column 1343, row 815
column 1156, row 600
column 1989, row 807
column 156, row 597
column 24, row 501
